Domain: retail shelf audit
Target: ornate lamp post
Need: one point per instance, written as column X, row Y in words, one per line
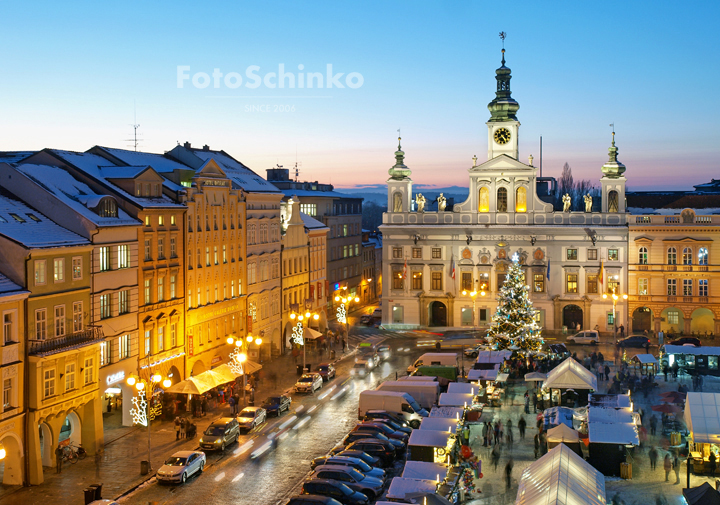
column 239, row 356
column 298, row 335
column 342, row 310
column 615, row 297
column 142, row 411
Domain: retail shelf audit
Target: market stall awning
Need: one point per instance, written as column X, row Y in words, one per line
column 439, row 424
column 486, row 375
column 561, row 477
column 493, row 356
column 562, row 433
column 191, row 386
column 704, row 494
column 702, row 417
column 311, row 334
column 455, row 400
column 401, row 486
column 429, row 438
column 535, row 377
column 424, row 470
column 570, row 374
column 645, row 359
column 463, row 388
column 447, row 412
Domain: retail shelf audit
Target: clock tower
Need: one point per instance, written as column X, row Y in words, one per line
column 503, row 125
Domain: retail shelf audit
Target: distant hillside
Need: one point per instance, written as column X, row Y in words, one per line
column 378, row 193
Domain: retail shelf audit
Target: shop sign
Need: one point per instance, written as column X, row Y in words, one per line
column 215, row 360
column 114, row 378
column 190, row 345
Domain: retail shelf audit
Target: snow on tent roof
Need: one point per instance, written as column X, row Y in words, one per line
column 449, row 412
column 489, row 375
column 645, row 358
column 561, row 477
column 463, row 388
column 610, row 415
column 493, row 356
column 25, row 230
column 613, row 433
column 609, row 401
column 562, row 433
column 424, row 470
column 428, row 438
column 400, row 486
column 704, row 494
column 559, row 415
column 439, row 424
column 570, row 374
column 691, row 349
column 455, row 400
column 702, row 417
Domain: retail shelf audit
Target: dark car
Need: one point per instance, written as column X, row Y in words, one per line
column 389, row 422
column 366, row 319
column 367, row 458
column 334, row 489
column 312, row 499
column 384, row 414
column 277, row 404
column 326, row 371
column 559, row 349
column 357, row 435
column 382, row 428
column 687, row 340
column 635, row 341
column 374, row 447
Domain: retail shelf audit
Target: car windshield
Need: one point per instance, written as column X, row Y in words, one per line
column 355, row 474
column 215, row 431
column 363, row 466
column 247, row 413
column 274, row 400
column 322, row 368
column 359, row 365
column 345, row 489
column 175, row 461
column 305, row 379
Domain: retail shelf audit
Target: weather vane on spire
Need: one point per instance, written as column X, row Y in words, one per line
column 612, row 125
column 502, row 37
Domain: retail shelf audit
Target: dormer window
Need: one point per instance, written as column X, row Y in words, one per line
column 138, row 189
column 107, row 207
column 34, row 218
column 17, row 218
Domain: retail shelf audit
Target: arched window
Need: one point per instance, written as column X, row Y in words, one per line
column 397, row 202
column 484, row 200
column 613, row 202
column 521, row 199
column 643, row 256
column 672, row 256
column 502, row 198
column 703, row 256
column 687, row 256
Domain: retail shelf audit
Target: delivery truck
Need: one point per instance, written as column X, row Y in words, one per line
column 425, row 393
column 434, row 358
column 401, row 404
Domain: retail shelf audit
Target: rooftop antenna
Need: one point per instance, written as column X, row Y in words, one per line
column 134, row 140
column 612, row 125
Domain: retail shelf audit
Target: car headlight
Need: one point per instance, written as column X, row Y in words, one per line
column 216, row 441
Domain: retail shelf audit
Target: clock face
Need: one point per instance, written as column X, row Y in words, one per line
column 502, row 136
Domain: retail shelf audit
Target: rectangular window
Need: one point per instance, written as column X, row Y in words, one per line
column 77, row 317
column 613, row 285
column 610, row 320
column 397, row 277
column 59, row 269
column 123, row 256
column 224, row 253
column 672, row 287
column 642, row 287
column 232, row 288
column 207, row 256
column 7, row 394
column 398, row 314
column 104, row 353
column 173, row 334
column 215, row 254
column 397, row 252
column 123, row 305
column 173, row 282
column 345, row 230
column 105, row 306
column 161, row 220
column 673, row 317
column 104, row 254
column 49, row 383
column 40, row 272
column 592, row 254
column 592, row 284
column 146, row 289
column 687, row 287
column 483, row 315
column 148, row 249
column 161, row 248
column 161, row 289
column 172, row 220
column 148, row 336
column 41, row 324
column 417, row 280
column 539, row 283
column 173, row 247
column 436, row 253
column 123, row 346
column 8, row 328
column 571, row 283
column 161, row 339
column 77, row 268
column 572, row 254
column 613, row 255
column 467, row 281
column 501, row 280
column 702, row 287
column 436, row 281
column 147, row 220
column 89, row 370
column 466, row 316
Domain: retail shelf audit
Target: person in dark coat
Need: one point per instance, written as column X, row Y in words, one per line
column 537, row 445
column 508, row 473
column 653, row 424
column 58, row 459
column 521, row 427
column 607, row 372
column 712, row 459
column 653, row 455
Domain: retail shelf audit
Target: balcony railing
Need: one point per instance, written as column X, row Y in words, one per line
column 88, row 336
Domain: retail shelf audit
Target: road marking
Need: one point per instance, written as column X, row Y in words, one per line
column 220, row 477
column 288, row 422
column 302, row 422
column 238, row 477
column 243, row 448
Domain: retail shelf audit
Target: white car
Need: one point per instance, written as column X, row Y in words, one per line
column 250, row 417
column 360, row 369
column 180, row 466
column 308, row 383
column 585, row 337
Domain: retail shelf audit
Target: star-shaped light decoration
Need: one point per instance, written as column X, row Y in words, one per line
column 515, row 258
column 341, row 314
column 139, row 409
column 235, row 363
column 298, row 334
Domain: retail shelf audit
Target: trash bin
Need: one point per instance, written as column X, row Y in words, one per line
column 299, row 369
column 98, row 490
column 308, row 367
column 332, row 354
column 438, row 346
column 89, row 495
column 144, row 467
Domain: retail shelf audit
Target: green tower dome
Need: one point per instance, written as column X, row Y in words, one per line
column 399, row 170
column 503, row 107
column 613, row 168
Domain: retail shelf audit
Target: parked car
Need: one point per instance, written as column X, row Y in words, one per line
column 377, row 313
column 635, row 341
column 558, row 349
column 220, row 434
column 687, row 341
column 360, row 369
column 250, row 417
column 336, row 490
column 398, row 423
column 357, row 435
column 312, row 499
column 390, row 424
column 277, row 404
column 366, row 319
column 355, row 480
column 380, row 449
column 585, row 337
column 382, row 428
column 370, row 355
column 180, row 466
column 326, row 371
column 364, row 456
column 308, row 383
column 355, row 463
column 384, row 352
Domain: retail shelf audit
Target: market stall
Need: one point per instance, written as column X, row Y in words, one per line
column 402, row 486
column 701, row 360
column 456, row 400
column 647, row 363
column 463, row 388
column 561, row 477
column 610, row 431
column 556, row 416
column 702, row 418
column 440, row 424
column 430, row 445
column 569, row 384
column 425, row 470
column 561, row 434
column 456, row 413
column 483, row 375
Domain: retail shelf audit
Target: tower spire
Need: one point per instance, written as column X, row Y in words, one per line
column 613, row 167
column 399, row 170
column 503, row 107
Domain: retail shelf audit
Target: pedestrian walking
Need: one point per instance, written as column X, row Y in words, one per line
column 509, row 436
column 496, row 431
column 607, row 373
column 600, row 371
column 177, row 427
column 653, row 455
column 535, row 403
column 508, row 473
column 58, row 459
column 667, row 466
column 622, row 331
column 466, row 435
column 521, row 427
column 537, row 445
column 183, row 426
column 676, row 469
column 484, row 434
column 712, row 459
column 495, row 457
column 98, row 460
column 527, row 402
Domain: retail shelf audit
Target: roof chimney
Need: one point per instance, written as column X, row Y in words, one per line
column 187, row 145
column 206, row 147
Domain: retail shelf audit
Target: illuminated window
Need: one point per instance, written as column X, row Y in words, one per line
column 703, row 256
column 613, row 255
column 502, row 200
column 484, row 199
column 572, row 254
column 643, row 256
column 642, row 287
column 436, row 281
column 673, row 317
column 417, row 280
column 672, row 256
column 397, row 277
column 467, row 281
column 687, row 256
column 521, row 199
column 538, row 283
column 687, row 287
column 672, row 287
column 592, row 284
column 572, row 283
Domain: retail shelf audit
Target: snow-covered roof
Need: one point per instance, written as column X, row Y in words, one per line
column 609, row 401
column 75, row 194
column 561, row 477
column 610, row 415
column 439, row 424
column 463, row 388
column 14, row 156
column 559, row 415
column 691, row 349
column 31, row 228
column 702, row 417
column 429, row 438
column 455, row 400
column 311, row 223
column 570, row 375
column 613, row 433
column 562, row 433
column 493, row 356
column 159, row 162
column 241, row 176
column 9, row 287
column 313, row 194
column 645, row 358
column 488, row 375
column 448, row 412
column 400, row 486
column 424, row 470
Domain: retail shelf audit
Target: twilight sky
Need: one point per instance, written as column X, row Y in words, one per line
column 72, row 74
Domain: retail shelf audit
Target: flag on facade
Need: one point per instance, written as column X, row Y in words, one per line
column 547, row 274
column 601, row 277
column 405, row 270
column 452, row 267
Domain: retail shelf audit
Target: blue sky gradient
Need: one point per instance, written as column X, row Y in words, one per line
column 72, row 74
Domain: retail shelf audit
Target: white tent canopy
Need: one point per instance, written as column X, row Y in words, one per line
column 702, row 417
column 562, row 433
column 535, row 377
column 645, row 359
column 424, row 470
column 439, row 424
column 311, row 334
column 486, row 375
column 448, row 412
column 561, row 477
column 455, row 400
column 400, row 486
column 570, row 374
column 429, row 438
column 493, row 356
column 463, row 388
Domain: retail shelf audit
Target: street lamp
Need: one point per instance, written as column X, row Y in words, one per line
column 298, row 335
column 239, row 356
column 342, row 311
column 615, row 297
column 142, row 411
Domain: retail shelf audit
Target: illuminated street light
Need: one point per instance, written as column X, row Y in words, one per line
column 298, row 335
column 615, row 297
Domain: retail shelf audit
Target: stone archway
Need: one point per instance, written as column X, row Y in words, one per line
column 572, row 315
column 198, row 368
column 174, row 375
column 702, row 321
column 12, row 465
column 71, row 429
column 642, row 319
column 672, row 321
column 437, row 312
column 46, row 444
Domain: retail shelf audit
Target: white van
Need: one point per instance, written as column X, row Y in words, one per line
column 396, row 402
column 425, row 393
column 434, row 358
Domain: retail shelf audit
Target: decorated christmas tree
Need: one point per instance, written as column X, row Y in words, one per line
column 514, row 321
